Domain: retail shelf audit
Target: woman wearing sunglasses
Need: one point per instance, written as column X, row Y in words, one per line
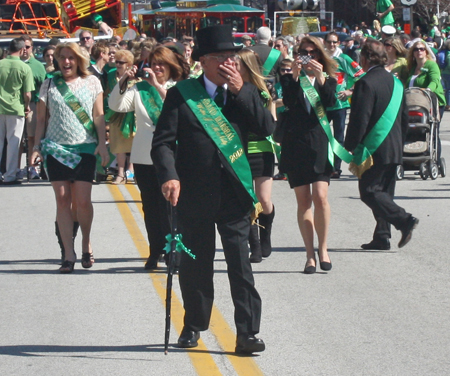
column 145, row 96
column 304, row 155
column 396, row 62
column 121, row 126
column 424, row 72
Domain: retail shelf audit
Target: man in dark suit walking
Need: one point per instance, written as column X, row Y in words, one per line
column 376, row 134
column 270, row 57
column 198, row 152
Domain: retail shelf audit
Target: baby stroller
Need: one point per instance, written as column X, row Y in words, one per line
column 420, row 149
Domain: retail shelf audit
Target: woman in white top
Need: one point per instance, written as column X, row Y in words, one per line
column 72, row 105
column 166, row 67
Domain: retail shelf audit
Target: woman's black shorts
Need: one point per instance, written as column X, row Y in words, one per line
column 85, row 170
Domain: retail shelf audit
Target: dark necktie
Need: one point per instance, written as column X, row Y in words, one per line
column 219, row 97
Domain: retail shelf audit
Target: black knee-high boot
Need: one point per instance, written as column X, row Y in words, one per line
column 255, row 246
column 76, row 226
column 60, row 242
column 265, row 221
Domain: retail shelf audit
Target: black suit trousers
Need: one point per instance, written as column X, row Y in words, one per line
column 377, row 188
column 196, row 276
column 154, row 207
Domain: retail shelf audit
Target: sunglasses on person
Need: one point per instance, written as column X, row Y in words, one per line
column 278, row 45
column 421, row 49
column 333, row 41
column 85, row 38
column 285, row 70
column 27, row 47
column 387, row 45
column 306, row 53
column 120, row 62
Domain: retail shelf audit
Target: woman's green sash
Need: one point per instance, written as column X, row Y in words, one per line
column 150, row 99
column 313, row 97
column 362, row 155
column 221, row 132
column 73, row 103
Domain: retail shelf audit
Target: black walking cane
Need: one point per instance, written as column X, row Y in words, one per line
column 170, row 271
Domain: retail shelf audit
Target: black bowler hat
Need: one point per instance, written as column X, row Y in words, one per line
column 214, row 39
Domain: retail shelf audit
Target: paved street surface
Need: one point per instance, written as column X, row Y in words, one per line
column 374, row 313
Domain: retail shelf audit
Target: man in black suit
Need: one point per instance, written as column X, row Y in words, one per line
column 373, row 96
column 262, row 48
column 196, row 174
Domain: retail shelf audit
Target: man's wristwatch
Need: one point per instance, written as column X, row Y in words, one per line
column 37, row 148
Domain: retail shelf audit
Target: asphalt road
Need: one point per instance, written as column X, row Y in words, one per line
column 374, row 313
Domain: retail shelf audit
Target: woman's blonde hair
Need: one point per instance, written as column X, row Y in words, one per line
column 329, row 64
column 125, row 55
column 411, row 60
column 252, row 63
column 398, row 46
column 82, row 61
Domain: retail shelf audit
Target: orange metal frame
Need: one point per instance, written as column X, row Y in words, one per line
column 35, row 22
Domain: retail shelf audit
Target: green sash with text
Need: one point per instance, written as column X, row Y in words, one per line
column 221, row 132
column 72, row 101
column 313, row 97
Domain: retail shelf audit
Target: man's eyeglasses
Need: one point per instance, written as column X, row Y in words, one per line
column 333, row 41
column 85, row 38
column 223, row 58
column 120, row 62
column 278, row 45
column 285, row 70
column 421, row 49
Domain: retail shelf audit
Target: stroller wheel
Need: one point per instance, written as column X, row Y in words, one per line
column 434, row 171
column 442, row 167
column 400, row 172
column 423, row 171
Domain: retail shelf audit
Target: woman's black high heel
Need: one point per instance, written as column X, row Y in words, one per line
column 324, row 265
column 311, row 269
column 67, row 266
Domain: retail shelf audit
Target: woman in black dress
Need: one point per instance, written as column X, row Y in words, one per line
column 304, row 156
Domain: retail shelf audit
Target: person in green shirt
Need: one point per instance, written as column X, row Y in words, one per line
column 424, row 73
column 384, row 12
column 348, row 72
column 39, row 73
column 16, row 85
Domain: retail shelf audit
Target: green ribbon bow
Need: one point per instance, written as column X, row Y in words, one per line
column 179, row 246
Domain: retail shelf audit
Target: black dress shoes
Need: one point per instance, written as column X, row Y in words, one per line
column 309, row 269
column 151, row 264
column 188, row 339
column 248, row 344
column 325, row 266
column 407, row 231
column 379, row 245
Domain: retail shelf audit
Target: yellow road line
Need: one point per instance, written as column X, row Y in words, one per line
column 218, row 325
column 202, row 361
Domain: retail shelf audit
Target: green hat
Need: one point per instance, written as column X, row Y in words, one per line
column 97, row 18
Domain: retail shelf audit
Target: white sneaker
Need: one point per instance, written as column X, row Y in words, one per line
column 21, row 174
column 130, row 175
